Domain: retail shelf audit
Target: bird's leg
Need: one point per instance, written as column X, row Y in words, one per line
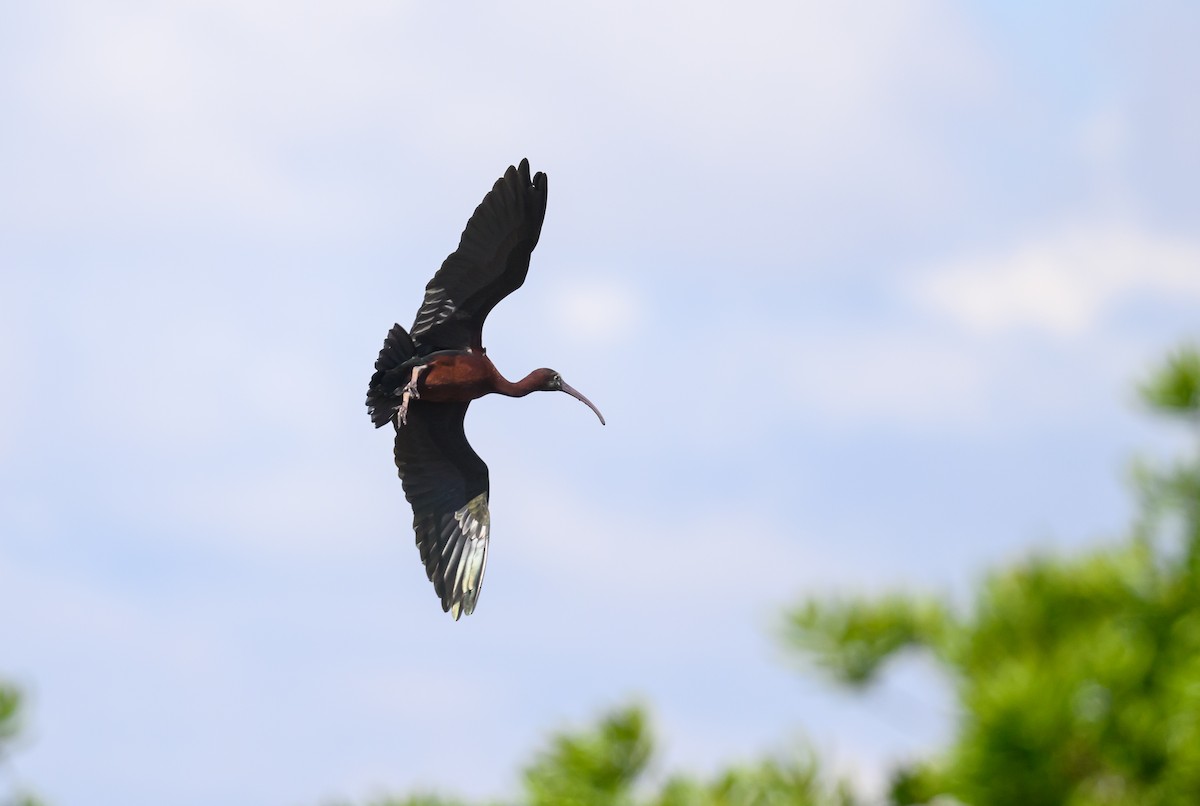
column 410, row 392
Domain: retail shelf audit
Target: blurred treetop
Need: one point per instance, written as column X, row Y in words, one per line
column 607, row 765
column 10, row 722
column 1078, row 679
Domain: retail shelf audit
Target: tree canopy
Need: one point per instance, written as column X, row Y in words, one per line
column 606, row 765
column 1077, row 678
column 10, row 722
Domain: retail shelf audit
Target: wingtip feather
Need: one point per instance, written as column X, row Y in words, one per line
column 457, row 571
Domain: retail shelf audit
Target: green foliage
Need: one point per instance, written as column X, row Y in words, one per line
column 10, row 723
column 594, row 768
column 10, row 706
column 1078, row 679
column 1176, row 386
column 853, row 639
column 409, row 800
column 606, row 765
column 767, row 783
column 24, row 800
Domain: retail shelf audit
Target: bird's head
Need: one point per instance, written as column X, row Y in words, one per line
column 549, row 380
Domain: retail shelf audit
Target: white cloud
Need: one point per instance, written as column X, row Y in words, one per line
column 301, row 511
column 718, row 559
column 807, row 73
column 907, row 376
column 1065, row 285
column 1104, row 137
column 15, row 360
column 223, row 108
column 944, row 356
column 601, row 310
column 192, row 109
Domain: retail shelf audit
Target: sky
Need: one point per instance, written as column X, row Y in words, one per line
column 863, row 290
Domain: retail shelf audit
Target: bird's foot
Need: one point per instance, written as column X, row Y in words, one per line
column 409, row 393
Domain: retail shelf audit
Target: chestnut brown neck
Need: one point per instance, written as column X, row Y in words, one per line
column 530, row 383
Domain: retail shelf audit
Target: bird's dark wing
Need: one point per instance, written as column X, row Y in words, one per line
column 490, row 263
column 447, row 484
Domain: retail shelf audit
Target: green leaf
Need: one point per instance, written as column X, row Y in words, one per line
column 597, row 767
column 852, row 639
column 1175, row 387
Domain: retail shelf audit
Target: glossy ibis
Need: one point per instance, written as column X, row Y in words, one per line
column 425, row 379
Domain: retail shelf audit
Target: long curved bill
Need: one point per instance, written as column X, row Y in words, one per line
column 573, row 392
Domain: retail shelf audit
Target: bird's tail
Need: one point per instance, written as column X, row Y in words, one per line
column 383, row 393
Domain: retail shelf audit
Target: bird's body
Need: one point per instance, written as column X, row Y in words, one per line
column 425, row 379
column 450, row 376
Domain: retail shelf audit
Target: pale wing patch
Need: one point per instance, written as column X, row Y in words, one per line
column 474, row 523
column 436, row 309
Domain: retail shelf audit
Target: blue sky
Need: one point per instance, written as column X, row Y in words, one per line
column 862, row 289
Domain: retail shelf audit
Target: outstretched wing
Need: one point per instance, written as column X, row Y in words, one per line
column 447, row 484
column 490, row 263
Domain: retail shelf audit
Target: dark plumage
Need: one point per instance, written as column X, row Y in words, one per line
column 425, row 379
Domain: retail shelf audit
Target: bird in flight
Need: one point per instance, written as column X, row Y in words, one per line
column 425, row 379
